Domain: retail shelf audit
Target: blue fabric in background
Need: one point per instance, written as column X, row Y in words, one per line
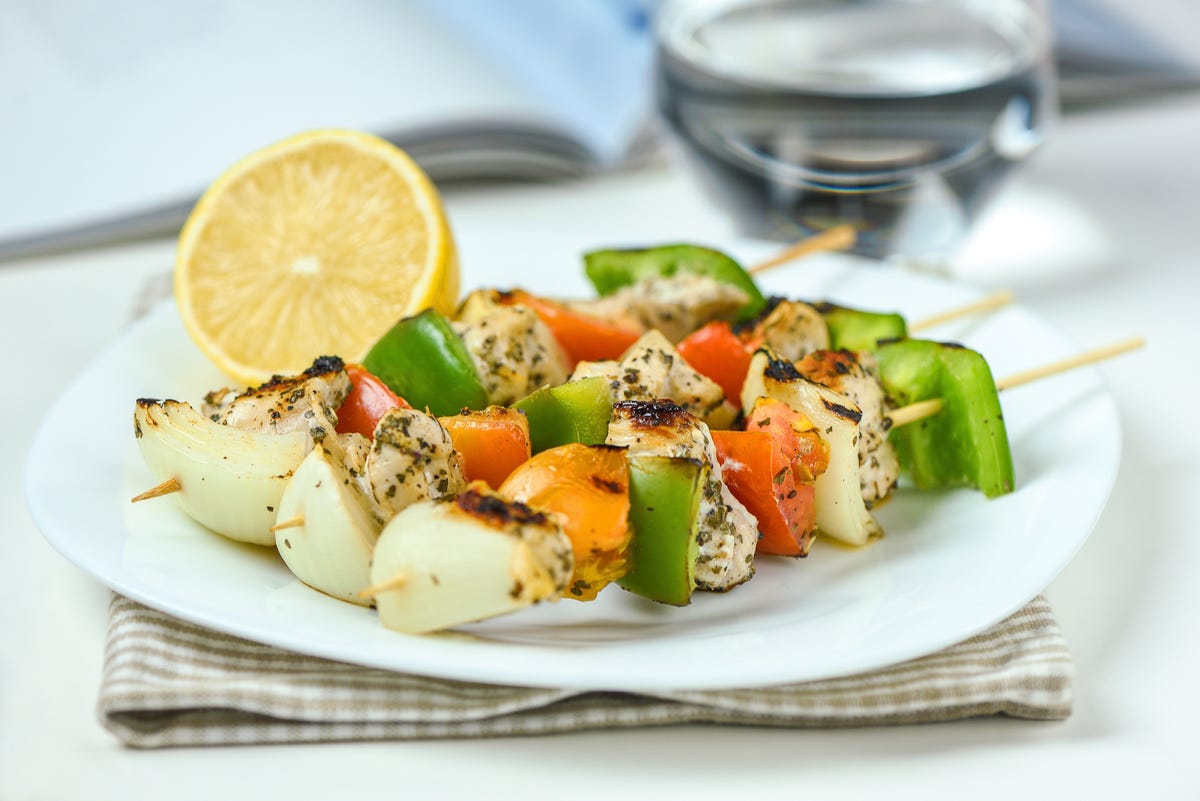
column 588, row 59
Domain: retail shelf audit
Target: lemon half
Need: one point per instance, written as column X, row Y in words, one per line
column 313, row 246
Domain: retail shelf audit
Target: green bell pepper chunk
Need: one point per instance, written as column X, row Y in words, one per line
column 965, row 444
column 577, row 411
column 422, row 360
column 664, row 505
column 852, row 329
column 609, row 270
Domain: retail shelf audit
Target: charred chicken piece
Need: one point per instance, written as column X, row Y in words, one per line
column 652, row 370
column 306, row 402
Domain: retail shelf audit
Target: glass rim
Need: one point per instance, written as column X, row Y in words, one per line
column 677, row 22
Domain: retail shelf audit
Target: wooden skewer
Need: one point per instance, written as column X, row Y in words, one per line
column 840, row 237
column 165, row 488
column 394, row 583
column 294, row 522
column 927, row 408
column 993, row 301
column 915, row 411
column 1063, row 365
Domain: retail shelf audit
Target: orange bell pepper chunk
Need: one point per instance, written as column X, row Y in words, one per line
column 718, row 353
column 587, row 488
column 368, row 401
column 491, row 442
column 582, row 336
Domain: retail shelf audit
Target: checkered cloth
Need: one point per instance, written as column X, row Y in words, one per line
column 170, row 683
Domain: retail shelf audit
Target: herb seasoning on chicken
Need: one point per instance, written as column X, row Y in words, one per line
column 306, row 402
column 676, row 305
column 791, row 329
column 513, row 350
column 728, row 533
column 412, row 459
column 653, row 370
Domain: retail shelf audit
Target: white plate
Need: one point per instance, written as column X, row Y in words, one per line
column 951, row 564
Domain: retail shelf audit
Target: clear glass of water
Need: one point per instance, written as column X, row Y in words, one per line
column 900, row 117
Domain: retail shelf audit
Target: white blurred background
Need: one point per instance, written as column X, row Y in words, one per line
column 115, row 115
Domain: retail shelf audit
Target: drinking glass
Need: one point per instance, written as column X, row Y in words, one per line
column 899, row 117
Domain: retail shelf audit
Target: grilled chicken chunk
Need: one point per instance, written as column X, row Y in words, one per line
column 675, row 305
column 856, row 375
column 728, row 532
column 513, row 350
column 306, row 402
column 792, row 329
column 412, row 459
column 652, row 370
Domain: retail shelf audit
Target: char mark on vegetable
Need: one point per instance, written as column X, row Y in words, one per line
column 497, row 512
column 607, row 485
column 842, row 411
column 782, row 370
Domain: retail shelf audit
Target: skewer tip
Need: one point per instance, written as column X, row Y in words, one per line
column 840, row 237
column 394, row 583
column 996, row 300
column 165, row 488
column 294, row 522
column 1064, row 365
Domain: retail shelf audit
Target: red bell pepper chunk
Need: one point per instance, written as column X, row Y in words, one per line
column 718, row 353
column 582, row 336
column 761, row 477
column 793, row 434
column 368, row 401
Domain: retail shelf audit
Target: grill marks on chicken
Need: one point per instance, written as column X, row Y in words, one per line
column 728, row 533
column 306, row 402
column 856, row 375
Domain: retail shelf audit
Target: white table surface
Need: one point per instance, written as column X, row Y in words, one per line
column 1098, row 236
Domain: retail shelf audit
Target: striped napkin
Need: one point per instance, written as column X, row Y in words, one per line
column 170, row 683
